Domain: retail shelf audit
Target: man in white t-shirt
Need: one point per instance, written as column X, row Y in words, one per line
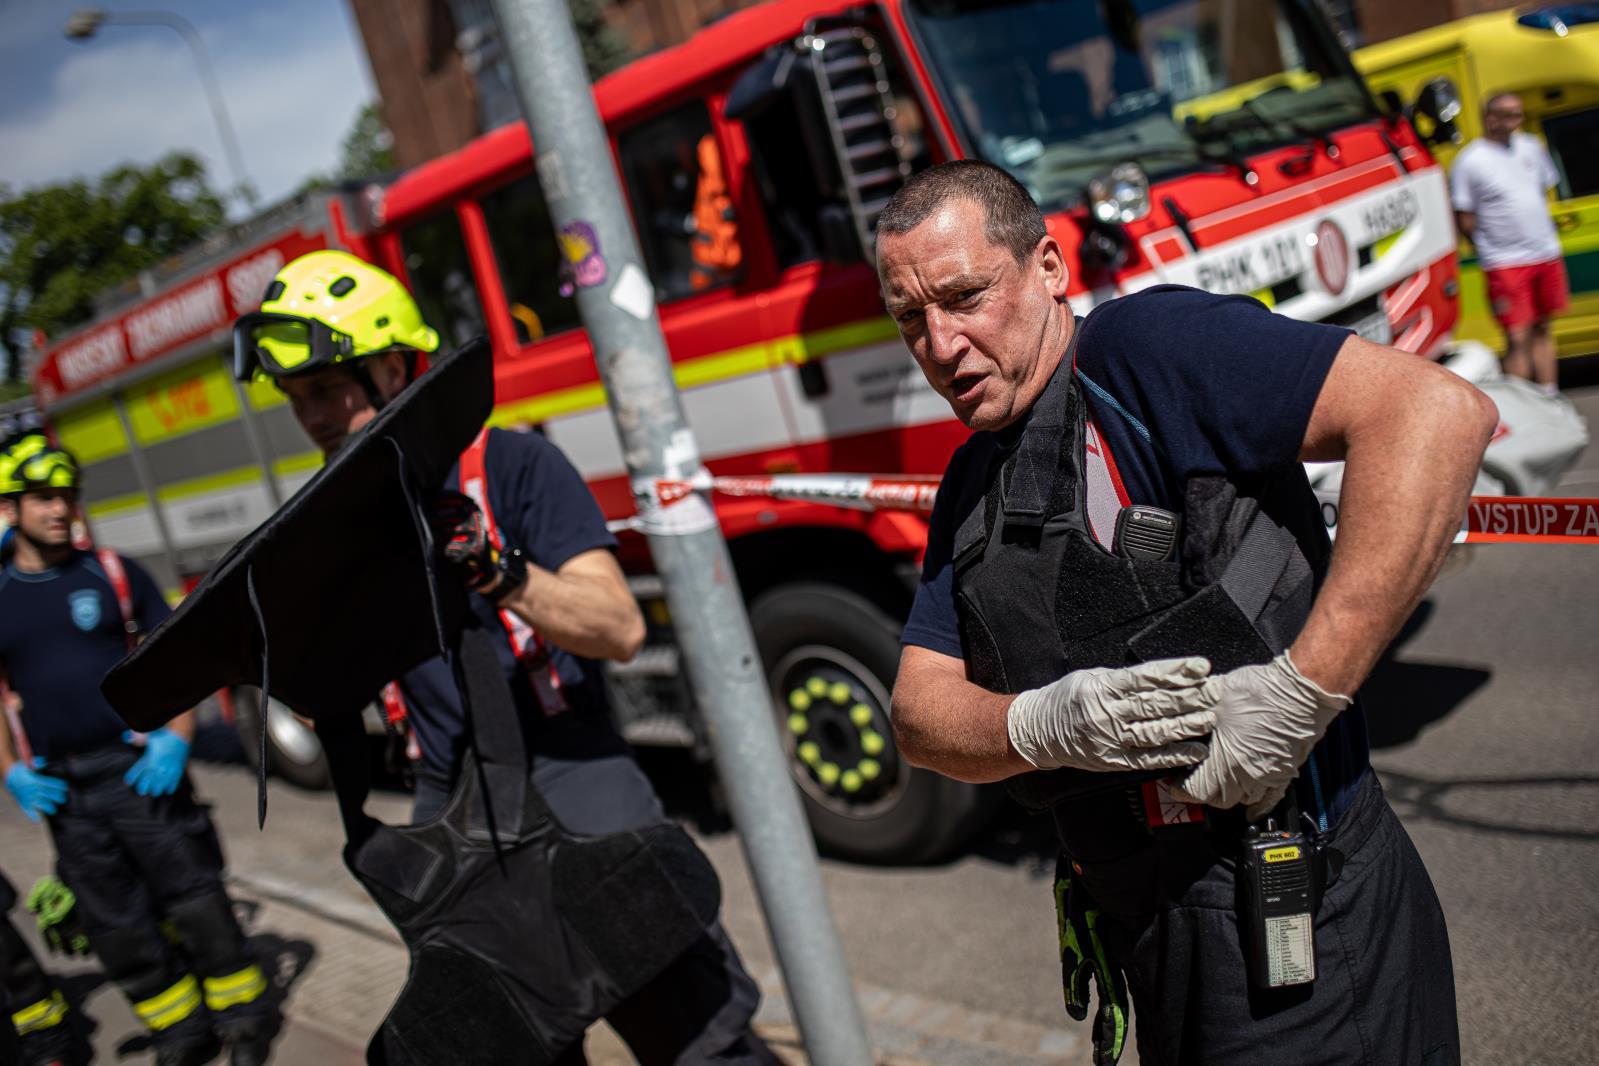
column 1499, row 182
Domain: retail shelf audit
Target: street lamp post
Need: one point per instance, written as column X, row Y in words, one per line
column 86, row 22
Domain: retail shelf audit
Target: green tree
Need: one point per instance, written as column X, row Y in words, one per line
column 368, row 148
column 604, row 47
column 62, row 244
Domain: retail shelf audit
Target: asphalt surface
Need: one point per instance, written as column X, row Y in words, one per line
column 1485, row 719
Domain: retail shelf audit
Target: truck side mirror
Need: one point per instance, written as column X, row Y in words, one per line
column 1393, row 105
column 1439, row 102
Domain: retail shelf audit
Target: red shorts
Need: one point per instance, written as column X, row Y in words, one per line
column 1520, row 295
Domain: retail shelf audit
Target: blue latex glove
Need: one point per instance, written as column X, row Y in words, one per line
column 35, row 793
column 160, row 768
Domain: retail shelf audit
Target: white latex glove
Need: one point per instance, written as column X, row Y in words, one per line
column 1268, row 717
column 1143, row 717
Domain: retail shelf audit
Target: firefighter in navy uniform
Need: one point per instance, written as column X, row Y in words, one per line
column 131, row 842
column 1128, row 613
column 341, row 338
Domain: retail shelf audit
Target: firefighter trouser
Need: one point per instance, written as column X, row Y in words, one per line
column 1384, row 989
column 699, row 1008
column 34, row 1010
column 147, row 873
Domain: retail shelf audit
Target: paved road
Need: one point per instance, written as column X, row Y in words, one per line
column 1486, row 721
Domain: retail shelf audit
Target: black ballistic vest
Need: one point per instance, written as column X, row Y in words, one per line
column 1037, row 597
column 521, row 934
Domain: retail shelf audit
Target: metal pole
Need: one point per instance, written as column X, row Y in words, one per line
column 617, row 303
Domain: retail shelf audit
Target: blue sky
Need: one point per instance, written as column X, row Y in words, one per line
column 293, row 75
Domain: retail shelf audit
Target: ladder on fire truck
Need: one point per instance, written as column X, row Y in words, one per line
column 852, row 78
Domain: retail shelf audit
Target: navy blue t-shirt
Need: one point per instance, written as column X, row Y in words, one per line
column 1181, row 383
column 61, row 631
column 542, row 506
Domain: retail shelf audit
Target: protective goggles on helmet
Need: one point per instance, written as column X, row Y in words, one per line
column 52, row 469
column 268, row 345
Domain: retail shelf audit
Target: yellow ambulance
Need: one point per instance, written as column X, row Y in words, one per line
column 1549, row 56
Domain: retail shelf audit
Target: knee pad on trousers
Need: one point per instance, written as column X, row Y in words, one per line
column 211, row 935
column 213, row 940
column 137, row 959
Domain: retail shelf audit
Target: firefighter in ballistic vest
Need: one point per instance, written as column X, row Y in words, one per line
column 341, row 338
column 1127, row 612
column 133, row 846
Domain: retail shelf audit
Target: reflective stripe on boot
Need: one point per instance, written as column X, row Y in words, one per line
column 231, row 990
column 43, row 1014
column 166, row 1009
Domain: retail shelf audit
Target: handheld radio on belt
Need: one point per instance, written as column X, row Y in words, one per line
column 1276, row 876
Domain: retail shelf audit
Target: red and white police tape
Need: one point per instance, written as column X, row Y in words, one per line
column 1489, row 519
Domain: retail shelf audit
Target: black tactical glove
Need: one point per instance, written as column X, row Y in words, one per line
column 463, row 540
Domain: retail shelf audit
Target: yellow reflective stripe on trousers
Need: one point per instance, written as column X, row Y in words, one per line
column 242, row 987
column 166, row 1009
column 40, row 1015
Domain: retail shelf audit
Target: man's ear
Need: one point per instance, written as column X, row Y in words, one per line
column 390, row 373
column 1052, row 268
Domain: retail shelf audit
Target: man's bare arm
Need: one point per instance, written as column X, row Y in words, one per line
column 183, row 725
column 1412, row 436
column 944, row 722
column 8, row 753
column 584, row 607
column 1466, row 223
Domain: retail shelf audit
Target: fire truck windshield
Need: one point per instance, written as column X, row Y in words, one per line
column 1058, row 91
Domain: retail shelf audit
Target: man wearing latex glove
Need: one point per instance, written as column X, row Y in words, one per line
column 1132, row 494
column 36, row 793
column 1147, row 717
column 160, row 768
column 1268, row 718
column 132, row 845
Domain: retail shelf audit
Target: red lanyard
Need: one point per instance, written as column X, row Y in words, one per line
column 526, row 644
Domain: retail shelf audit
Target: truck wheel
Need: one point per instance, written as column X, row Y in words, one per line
column 293, row 750
column 830, row 657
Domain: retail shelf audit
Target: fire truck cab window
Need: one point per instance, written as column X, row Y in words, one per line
column 1059, row 91
column 441, row 279
column 529, row 260
column 799, row 178
column 1572, row 139
column 678, row 189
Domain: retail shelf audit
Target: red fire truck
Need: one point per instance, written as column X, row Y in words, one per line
column 1227, row 144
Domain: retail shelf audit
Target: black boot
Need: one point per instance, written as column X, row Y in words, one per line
column 249, row 1040
column 188, row 1053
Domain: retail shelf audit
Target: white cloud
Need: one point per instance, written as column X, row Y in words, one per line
column 134, row 95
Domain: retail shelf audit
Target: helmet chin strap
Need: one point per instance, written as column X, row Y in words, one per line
column 370, row 387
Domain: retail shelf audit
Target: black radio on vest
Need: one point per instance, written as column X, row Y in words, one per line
column 1146, row 533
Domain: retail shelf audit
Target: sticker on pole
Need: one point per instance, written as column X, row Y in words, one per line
column 632, row 293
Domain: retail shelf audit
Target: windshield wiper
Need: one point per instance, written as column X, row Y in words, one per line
column 1217, row 146
column 1318, row 138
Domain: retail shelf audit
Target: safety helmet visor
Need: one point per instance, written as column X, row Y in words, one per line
column 268, row 345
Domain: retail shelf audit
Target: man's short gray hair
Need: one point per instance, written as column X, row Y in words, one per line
column 1010, row 217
